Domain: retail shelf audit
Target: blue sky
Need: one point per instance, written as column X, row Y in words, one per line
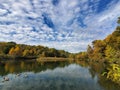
column 62, row 24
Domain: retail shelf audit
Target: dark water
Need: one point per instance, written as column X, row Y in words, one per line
column 53, row 76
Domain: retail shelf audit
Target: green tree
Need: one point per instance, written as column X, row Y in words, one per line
column 8, row 46
column 82, row 56
column 118, row 20
column 90, row 52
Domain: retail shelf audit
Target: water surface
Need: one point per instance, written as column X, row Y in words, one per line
column 52, row 76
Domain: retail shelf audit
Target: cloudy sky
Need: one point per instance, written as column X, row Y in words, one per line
column 63, row 24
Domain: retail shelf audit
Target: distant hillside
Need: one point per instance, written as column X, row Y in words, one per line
column 11, row 49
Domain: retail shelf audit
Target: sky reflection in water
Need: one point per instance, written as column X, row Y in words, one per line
column 71, row 77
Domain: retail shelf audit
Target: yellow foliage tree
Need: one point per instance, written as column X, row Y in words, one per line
column 11, row 52
column 26, row 53
column 110, row 53
column 15, row 51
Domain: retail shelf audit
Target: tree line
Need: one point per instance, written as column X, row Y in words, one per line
column 22, row 50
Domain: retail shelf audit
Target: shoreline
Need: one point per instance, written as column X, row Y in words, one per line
column 41, row 59
column 53, row 59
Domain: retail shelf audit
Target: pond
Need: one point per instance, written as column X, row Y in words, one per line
column 31, row 75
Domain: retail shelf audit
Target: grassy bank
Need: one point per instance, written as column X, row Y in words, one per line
column 53, row 59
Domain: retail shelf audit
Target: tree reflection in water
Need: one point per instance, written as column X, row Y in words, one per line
column 25, row 66
column 55, row 76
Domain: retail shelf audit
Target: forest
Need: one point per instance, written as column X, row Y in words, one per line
column 13, row 50
column 106, row 51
